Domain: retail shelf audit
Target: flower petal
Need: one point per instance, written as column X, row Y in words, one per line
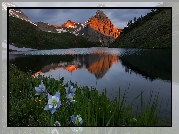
column 57, row 100
column 73, row 90
column 53, row 97
column 47, row 107
column 72, row 94
column 69, row 84
column 71, row 87
column 57, row 95
column 38, row 89
column 73, row 118
column 50, row 106
column 53, row 110
column 49, row 96
column 68, row 96
column 81, row 121
column 66, row 88
column 37, row 94
column 50, row 101
column 58, row 104
column 42, row 87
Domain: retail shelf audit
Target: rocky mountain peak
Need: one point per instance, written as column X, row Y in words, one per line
column 67, row 24
column 100, row 15
column 102, row 24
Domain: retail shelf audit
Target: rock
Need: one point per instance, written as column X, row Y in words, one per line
column 98, row 28
column 46, row 27
column 102, row 24
column 95, row 36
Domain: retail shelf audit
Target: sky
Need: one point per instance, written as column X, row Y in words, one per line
column 119, row 17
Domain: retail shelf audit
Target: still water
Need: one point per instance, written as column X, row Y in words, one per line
column 102, row 68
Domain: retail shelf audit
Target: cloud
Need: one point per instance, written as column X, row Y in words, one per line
column 119, row 17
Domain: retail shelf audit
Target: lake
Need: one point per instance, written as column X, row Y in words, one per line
column 131, row 70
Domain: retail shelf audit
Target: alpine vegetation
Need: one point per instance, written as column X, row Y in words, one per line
column 44, row 101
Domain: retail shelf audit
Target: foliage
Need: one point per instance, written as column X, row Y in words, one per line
column 150, row 31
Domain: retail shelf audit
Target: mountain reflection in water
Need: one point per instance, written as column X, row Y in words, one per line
column 95, row 64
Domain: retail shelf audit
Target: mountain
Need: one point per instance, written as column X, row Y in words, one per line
column 46, row 27
column 71, row 27
column 69, row 23
column 24, row 34
column 4, row 22
column 15, row 12
column 102, row 24
column 98, row 28
column 41, row 25
column 19, row 14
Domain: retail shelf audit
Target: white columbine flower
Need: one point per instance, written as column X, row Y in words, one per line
column 76, row 120
column 53, row 102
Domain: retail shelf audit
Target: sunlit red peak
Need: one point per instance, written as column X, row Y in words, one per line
column 69, row 23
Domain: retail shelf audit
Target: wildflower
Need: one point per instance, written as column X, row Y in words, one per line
column 55, row 131
column 53, row 102
column 77, row 129
column 57, row 123
column 72, row 90
column 70, row 98
column 76, row 120
column 70, row 95
column 40, row 89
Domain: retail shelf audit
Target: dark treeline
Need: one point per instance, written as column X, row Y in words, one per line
column 150, row 31
column 136, row 22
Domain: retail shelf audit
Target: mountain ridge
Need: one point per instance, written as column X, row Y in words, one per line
column 150, row 31
column 97, row 26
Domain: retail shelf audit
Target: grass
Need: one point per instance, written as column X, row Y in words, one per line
column 26, row 109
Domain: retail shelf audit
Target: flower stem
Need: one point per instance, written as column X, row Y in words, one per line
column 51, row 122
